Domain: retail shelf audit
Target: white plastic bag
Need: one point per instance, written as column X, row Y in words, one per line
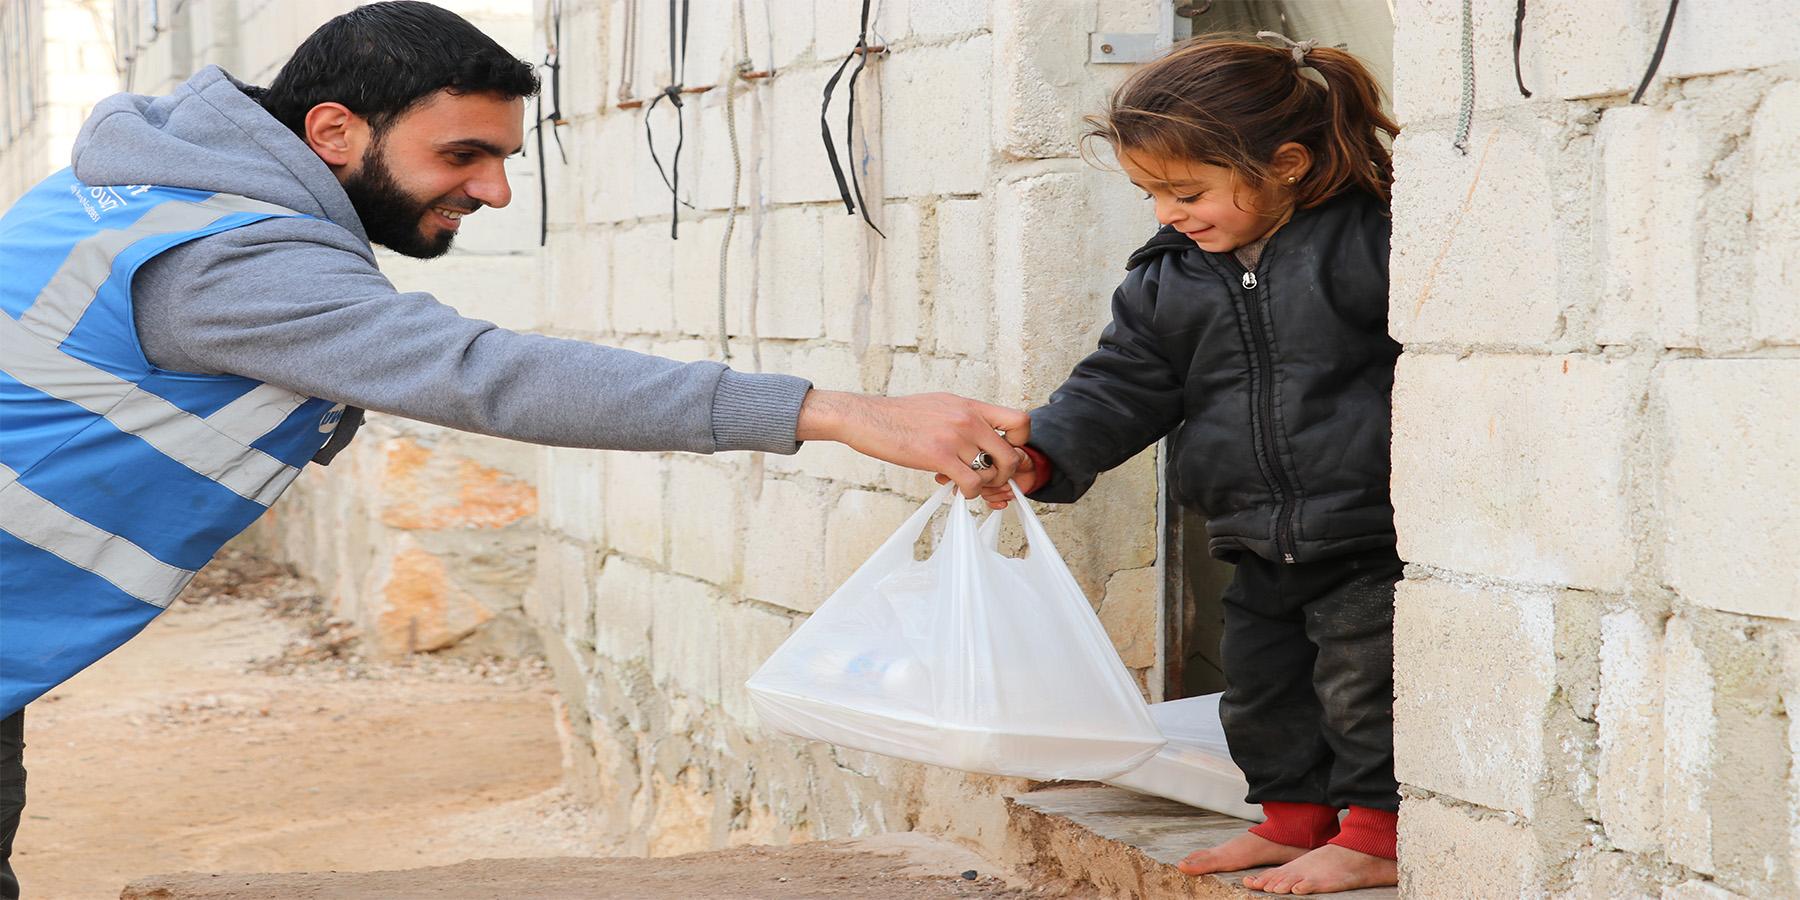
column 970, row 659
column 1194, row 768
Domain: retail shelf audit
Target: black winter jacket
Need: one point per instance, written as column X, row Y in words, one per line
column 1275, row 383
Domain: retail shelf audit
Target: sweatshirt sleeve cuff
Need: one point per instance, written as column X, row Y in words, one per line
column 757, row 412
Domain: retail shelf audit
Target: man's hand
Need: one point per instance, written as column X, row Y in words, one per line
column 998, row 495
column 939, row 433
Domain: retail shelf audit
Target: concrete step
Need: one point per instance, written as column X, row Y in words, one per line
column 1127, row 845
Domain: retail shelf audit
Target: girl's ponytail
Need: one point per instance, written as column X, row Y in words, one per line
column 1352, row 153
column 1231, row 102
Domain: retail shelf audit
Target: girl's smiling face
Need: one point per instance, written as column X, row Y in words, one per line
column 1211, row 204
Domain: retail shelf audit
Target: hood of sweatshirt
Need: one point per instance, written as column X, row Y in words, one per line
column 209, row 135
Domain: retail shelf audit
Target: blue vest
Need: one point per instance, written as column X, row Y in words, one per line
column 118, row 480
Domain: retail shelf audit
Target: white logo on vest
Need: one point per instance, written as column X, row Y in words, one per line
column 329, row 422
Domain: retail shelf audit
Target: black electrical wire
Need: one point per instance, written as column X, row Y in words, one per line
column 1662, row 43
column 552, row 63
column 678, row 72
column 845, row 191
column 1518, row 37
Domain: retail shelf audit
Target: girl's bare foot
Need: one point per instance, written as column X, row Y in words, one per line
column 1246, row 851
column 1323, row 871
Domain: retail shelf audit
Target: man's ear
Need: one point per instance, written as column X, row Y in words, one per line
column 336, row 134
column 1291, row 162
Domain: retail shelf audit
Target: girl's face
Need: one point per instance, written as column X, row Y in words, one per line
column 1208, row 203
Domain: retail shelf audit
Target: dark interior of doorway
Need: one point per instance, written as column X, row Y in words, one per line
column 1194, row 618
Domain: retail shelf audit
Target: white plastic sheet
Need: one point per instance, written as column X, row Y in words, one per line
column 969, row 659
column 1194, row 767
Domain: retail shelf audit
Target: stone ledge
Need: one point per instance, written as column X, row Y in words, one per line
column 1127, row 845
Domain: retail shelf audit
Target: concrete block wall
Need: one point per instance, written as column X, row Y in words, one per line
column 65, row 55
column 1595, row 477
column 664, row 581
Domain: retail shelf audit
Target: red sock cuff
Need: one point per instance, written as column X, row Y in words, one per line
column 1304, row 825
column 1371, row 831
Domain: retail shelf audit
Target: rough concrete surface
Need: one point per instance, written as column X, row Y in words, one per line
column 899, row 866
column 1126, row 845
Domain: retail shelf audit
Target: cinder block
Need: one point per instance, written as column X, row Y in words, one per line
column 1695, row 889
column 685, row 639
column 780, row 34
column 1130, row 613
column 1428, row 67
column 940, row 18
column 1655, row 172
column 1690, row 735
column 916, row 373
column 1729, row 36
column 1630, row 716
column 1775, row 154
column 584, row 86
column 1514, row 466
column 503, row 289
column 1493, row 858
column 1042, row 84
column 951, row 155
column 1730, row 479
column 603, row 164
column 703, row 519
column 962, row 301
column 1052, row 298
column 1475, row 673
column 791, row 304
column 858, row 525
column 1613, row 875
column 899, row 291
column 1727, row 752
column 784, row 546
column 752, row 632
column 578, row 281
column 562, row 600
column 849, row 252
column 642, row 282
column 570, row 482
column 625, row 598
column 696, row 277
column 799, row 171
column 633, row 502
column 1478, row 247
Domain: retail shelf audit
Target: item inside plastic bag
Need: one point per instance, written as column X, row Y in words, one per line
column 970, row 659
column 1194, row 767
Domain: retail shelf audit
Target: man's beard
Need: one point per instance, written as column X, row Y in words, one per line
column 389, row 214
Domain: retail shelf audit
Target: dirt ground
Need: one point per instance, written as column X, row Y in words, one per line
column 241, row 734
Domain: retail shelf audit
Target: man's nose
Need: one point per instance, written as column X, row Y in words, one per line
column 490, row 186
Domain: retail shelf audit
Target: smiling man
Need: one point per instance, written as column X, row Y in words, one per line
column 193, row 312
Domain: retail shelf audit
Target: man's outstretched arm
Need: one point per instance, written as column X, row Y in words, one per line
column 299, row 304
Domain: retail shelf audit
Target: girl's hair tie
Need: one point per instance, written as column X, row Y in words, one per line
column 1299, row 49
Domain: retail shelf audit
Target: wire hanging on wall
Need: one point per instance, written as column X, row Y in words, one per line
column 678, row 34
column 553, row 64
column 852, row 204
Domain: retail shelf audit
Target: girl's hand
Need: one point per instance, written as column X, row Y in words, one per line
column 997, row 496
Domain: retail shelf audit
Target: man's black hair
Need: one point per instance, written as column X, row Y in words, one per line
column 381, row 59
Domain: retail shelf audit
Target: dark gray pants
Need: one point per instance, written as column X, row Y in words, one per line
column 1309, row 668
column 12, row 796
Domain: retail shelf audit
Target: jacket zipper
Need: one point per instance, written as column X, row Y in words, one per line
column 1284, row 520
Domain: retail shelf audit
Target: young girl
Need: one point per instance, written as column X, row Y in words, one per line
column 1253, row 329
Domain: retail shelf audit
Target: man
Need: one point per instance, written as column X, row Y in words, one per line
column 193, row 312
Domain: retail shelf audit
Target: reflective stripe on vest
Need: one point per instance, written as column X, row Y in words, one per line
column 118, row 481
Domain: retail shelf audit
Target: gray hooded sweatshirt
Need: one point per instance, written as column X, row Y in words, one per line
column 299, row 303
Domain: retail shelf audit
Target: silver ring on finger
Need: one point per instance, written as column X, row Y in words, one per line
column 981, row 461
